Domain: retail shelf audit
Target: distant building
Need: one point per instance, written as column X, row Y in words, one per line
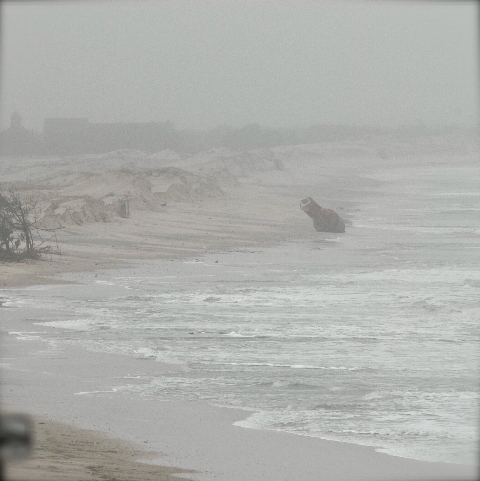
column 73, row 136
column 79, row 136
column 17, row 140
column 66, row 136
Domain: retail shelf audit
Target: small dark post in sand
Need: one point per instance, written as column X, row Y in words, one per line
column 324, row 220
column 124, row 208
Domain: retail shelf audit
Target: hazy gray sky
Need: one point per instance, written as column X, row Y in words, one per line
column 207, row 63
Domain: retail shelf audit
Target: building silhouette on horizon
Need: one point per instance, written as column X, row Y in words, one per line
column 73, row 136
column 17, row 140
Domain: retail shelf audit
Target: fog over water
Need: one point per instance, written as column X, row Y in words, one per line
column 202, row 64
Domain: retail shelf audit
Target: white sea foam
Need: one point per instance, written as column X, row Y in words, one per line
column 27, row 336
column 73, row 324
column 236, row 334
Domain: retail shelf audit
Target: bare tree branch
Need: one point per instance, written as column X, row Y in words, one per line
column 17, row 221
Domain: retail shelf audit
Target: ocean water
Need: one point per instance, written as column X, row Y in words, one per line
column 368, row 337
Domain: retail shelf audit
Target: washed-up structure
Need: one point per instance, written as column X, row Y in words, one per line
column 324, row 220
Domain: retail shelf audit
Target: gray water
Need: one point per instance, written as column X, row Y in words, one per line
column 369, row 337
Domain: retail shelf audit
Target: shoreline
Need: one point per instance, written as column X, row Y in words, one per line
column 256, row 214
column 196, row 441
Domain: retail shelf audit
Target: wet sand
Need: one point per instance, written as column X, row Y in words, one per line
column 64, row 452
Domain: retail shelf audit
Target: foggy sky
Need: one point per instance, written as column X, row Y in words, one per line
column 206, row 63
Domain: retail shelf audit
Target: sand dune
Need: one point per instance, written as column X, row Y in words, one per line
column 181, row 203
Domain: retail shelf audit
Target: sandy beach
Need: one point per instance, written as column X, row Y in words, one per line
column 209, row 209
